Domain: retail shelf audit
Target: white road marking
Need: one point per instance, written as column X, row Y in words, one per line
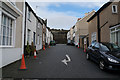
column 66, row 61
column 68, row 58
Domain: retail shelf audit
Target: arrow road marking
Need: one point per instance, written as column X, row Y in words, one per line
column 68, row 58
column 65, row 61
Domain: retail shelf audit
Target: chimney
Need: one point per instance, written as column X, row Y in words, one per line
column 78, row 19
column 86, row 14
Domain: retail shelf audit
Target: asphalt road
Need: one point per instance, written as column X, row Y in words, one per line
column 49, row 65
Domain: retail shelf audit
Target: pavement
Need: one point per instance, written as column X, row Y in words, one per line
column 49, row 65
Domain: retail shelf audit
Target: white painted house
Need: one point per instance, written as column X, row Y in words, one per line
column 49, row 35
column 11, row 31
column 30, row 25
column 39, row 34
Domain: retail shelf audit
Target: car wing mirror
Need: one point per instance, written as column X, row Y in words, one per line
column 95, row 48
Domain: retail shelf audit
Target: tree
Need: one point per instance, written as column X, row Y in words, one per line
column 27, row 49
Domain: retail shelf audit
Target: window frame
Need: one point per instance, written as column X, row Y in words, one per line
column 116, row 7
column 29, row 14
column 13, row 29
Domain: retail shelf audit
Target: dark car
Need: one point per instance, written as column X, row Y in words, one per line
column 107, row 55
column 52, row 43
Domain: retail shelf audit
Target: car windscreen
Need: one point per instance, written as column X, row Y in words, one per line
column 103, row 47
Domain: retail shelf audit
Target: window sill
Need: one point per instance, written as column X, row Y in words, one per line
column 6, row 46
column 114, row 12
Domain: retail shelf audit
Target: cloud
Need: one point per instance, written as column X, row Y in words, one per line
column 57, row 20
column 60, row 20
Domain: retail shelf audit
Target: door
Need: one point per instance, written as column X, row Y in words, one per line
column 34, row 38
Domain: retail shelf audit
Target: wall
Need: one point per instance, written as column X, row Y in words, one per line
column 60, row 36
column 10, row 55
column 107, row 15
column 13, row 53
column 38, row 32
column 92, row 28
column 30, row 24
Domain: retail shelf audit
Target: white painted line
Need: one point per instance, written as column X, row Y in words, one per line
column 65, row 61
column 68, row 58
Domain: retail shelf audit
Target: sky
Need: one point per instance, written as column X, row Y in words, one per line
column 63, row 14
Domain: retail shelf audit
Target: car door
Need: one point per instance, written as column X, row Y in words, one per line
column 96, row 52
column 91, row 50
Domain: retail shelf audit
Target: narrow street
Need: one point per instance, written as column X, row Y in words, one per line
column 49, row 65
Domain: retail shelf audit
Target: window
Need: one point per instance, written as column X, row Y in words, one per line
column 38, row 39
column 28, row 36
column 118, row 38
column 115, row 35
column 29, row 12
column 6, row 33
column 38, row 25
column 93, row 36
column 114, row 8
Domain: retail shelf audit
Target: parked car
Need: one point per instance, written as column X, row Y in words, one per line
column 107, row 55
column 52, row 43
column 69, row 42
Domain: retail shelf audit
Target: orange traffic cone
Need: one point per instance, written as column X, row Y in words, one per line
column 23, row 66
column 44, row 47
column 35, row 54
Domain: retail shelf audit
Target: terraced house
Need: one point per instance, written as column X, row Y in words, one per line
column 81, row 29
column 104, row 25
column 19, row 25
column 11, row 31
column 39, row 34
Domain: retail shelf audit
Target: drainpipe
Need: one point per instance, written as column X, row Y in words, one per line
column 98, row 27
column 25, row 27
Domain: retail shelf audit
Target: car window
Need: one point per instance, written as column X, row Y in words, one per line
column 97, row 45
column 93, row 43
column 103, row 47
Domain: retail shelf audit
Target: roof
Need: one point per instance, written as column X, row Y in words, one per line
column 101, row 9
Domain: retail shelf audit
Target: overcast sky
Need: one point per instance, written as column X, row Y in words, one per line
column 63, row 15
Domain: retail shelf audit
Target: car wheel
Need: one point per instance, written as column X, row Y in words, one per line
column 87, row 56
column 102, row 65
